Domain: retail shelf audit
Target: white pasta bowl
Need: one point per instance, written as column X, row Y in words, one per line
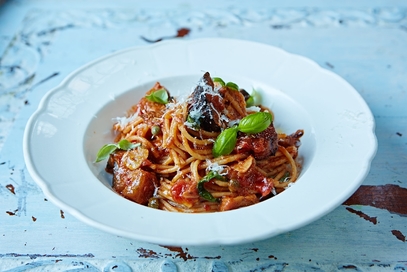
column 75, row 119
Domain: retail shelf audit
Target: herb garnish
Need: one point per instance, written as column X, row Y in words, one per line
column 230, row 85
column 160, row 96
column 255, row 123
column 254, row 99
column 225, row 142
column 201, row 189
column 218, row 80
column 250, row 124
column 108, row 149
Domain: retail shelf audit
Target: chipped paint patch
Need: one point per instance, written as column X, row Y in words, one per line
column 180, row 252
column 363, row 215
column 389, row 197
column 147, row 253
column 11, row 188
column 12, row 213
column 181, row 32
column 175, row 252
column 399, row 235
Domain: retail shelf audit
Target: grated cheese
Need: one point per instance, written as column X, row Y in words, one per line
column 253, row 108
column 124, row 121
column 215, row 167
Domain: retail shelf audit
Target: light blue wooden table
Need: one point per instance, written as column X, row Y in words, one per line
column 365, row 42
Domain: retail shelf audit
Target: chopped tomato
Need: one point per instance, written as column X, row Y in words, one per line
column 185, row 192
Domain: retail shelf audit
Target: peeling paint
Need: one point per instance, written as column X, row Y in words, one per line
column 12, row 213
column 11, row 188
column 147, row 253
column 389, row 197
column 350, row 266
column 363, row 215
column 399, row 235
column 178, row 252
column 182, row 32
column 181, row 253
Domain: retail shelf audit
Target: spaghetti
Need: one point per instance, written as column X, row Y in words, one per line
column 210, row 153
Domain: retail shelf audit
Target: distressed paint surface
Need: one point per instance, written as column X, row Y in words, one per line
column 365, row 42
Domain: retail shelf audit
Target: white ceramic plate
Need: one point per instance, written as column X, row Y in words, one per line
column 74, row 120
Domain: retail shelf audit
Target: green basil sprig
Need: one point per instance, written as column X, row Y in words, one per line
column 255, row 123
column 254, row 99
column 201, row 189
column 218, row 80
column 232, row 86
column 160, row 96
column 108, row 149
column 250, row 124
column 225, row 142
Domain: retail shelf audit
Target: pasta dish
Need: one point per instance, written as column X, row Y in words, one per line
column 215, row 150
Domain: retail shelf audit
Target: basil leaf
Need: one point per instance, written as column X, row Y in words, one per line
column 212, row 175
column 232, row 86
column 255, row 123
column 225, row 142
column 201, row 189
column 254, row 99
column 105, row 152
column 218, row 80
column 160, row 96
column 126, row 145
column 204, row 193
column 250, row 102
column 108, row 149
